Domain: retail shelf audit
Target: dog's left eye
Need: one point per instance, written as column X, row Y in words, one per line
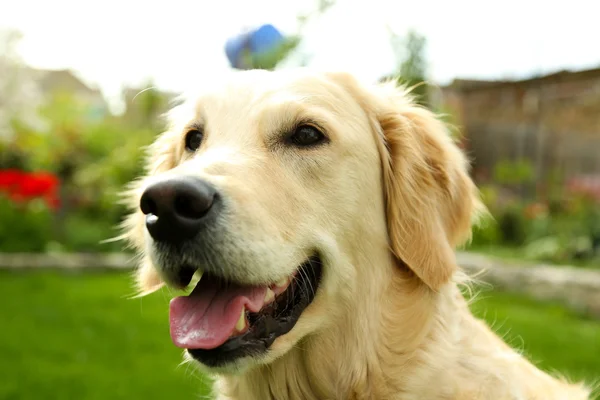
column 306, row 136
column 193, row 139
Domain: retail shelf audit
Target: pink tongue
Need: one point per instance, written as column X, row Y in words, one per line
column 207, row 317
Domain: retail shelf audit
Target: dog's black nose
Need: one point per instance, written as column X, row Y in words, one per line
column 175, row 208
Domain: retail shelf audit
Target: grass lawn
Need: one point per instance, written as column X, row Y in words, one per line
column 518, row 255
column 73, row 335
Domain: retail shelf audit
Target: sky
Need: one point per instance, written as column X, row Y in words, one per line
column 112, row 43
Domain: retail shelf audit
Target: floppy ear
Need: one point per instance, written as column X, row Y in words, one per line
column 431, row 202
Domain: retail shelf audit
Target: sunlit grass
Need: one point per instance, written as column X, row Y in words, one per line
column 76, row 336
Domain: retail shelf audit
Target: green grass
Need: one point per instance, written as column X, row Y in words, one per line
column 74, row 335
column 552, row 337
column 518, row 256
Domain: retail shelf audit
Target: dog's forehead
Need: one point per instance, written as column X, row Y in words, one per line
column 244, row 103
column 253, row 90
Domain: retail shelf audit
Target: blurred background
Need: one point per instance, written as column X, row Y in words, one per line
column 83, row 86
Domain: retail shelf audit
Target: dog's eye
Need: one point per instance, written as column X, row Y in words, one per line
column 306, row 136
column 193, row 139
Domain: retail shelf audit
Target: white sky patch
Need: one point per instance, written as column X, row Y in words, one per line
column 114, row 43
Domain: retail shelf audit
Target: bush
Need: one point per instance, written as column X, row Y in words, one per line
column 486, row 233
column 512, row 226
column 563, row 229
column 89, row 234
column 26, row 227
column 93, row 161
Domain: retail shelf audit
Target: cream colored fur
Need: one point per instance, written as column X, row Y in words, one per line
column 385, row 203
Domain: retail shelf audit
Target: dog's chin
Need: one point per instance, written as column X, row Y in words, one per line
column 207, row 333
column 238, row 366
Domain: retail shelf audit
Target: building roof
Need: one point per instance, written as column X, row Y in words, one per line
column 62, row 79
column 559, row 76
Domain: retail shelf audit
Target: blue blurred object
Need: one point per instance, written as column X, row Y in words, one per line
column 257, row 41
column 233, row 49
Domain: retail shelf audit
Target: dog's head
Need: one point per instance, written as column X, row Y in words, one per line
column 283, row 189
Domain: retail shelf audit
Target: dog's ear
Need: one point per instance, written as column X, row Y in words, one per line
column 431, row 201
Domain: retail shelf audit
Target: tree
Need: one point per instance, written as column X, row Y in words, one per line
column 19, row 93
column 144, row 107
column 412, row 68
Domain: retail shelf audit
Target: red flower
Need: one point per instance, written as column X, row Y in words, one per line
column 22, row 187
column 586, row 186
column 10, row 178
column 38, row 185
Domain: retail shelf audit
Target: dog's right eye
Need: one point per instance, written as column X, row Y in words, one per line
column 193, row 139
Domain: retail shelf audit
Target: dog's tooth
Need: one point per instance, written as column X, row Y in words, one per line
column 241, row 324
column 269, row 296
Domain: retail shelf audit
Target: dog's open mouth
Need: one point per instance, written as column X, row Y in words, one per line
column 221, row 321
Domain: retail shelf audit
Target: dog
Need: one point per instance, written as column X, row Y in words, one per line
column 317, row 216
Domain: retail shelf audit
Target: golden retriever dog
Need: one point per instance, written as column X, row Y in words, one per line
column 313, row 219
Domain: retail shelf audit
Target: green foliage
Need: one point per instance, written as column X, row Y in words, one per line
column 269, row 60
column 25, row 227
column 57, row 148
column 572, row 233
column 145, row 107
column 562, row 232
column 75, row 335
column 94, row 160
column 514, row 173
column 86, row 234
column 487, row 233
column 412, row 70
column 545, row 248
column 151, row 103
column 511, row 223
column 562, row 227
column 414, row 66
